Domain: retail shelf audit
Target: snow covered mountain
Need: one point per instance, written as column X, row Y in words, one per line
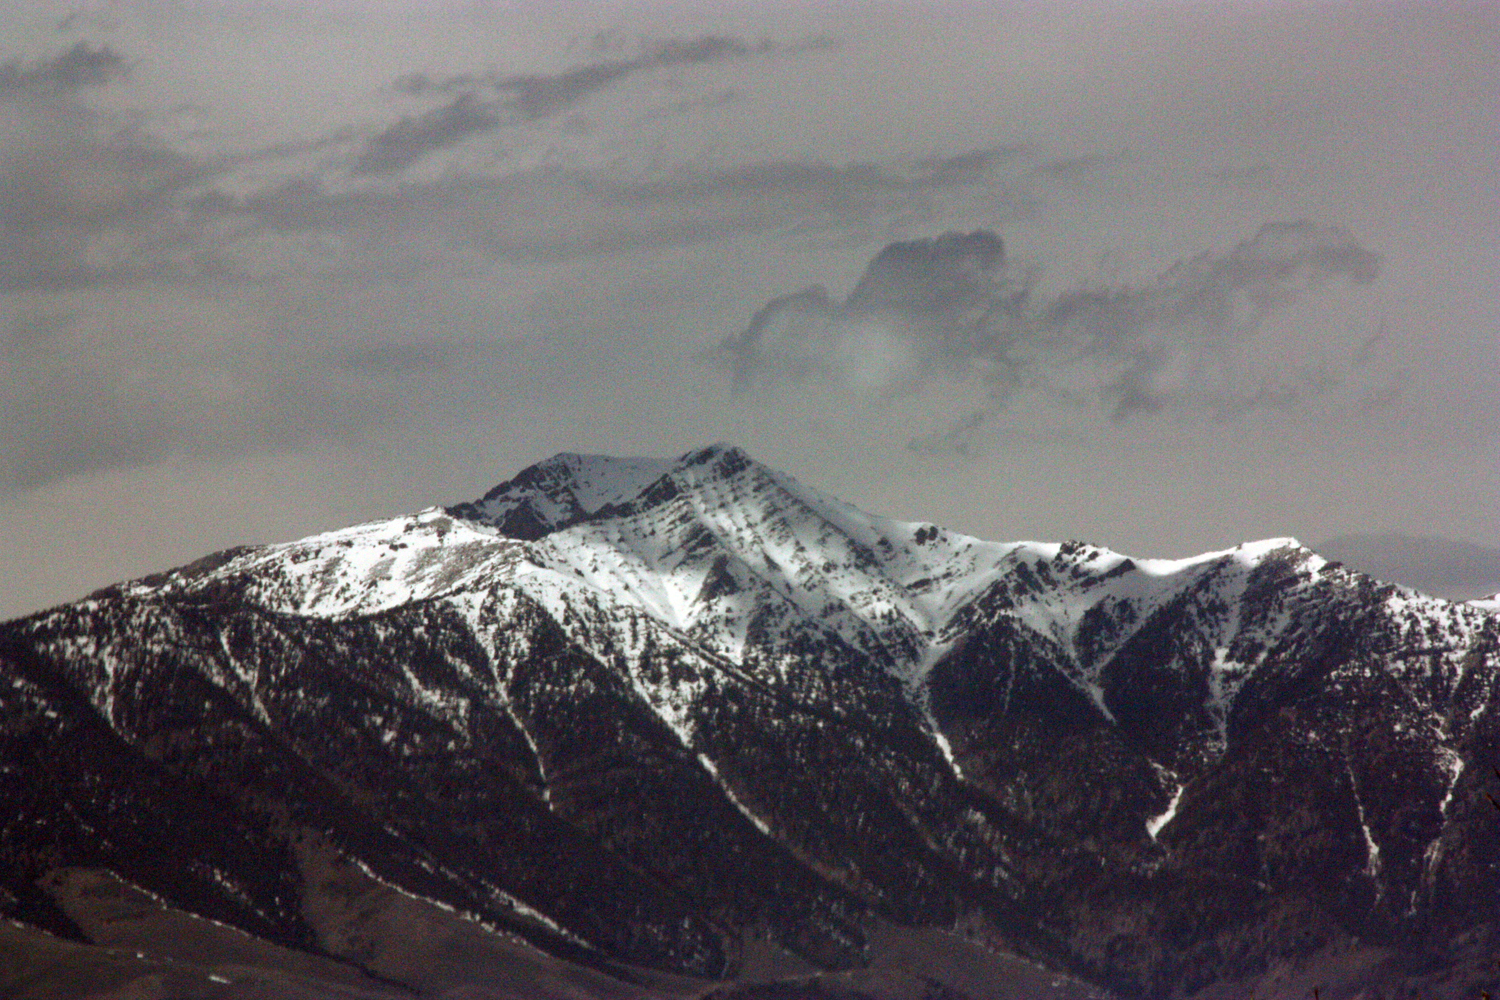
column 688, row 727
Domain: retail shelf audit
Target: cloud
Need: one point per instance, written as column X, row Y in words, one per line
column 931, row 299
column 534, row 96
column 958, row 438
column 89, row 199
column 714, row 101
column 827, row 184
column 696, row 205
column 395, row 359
column 93, row 200
column 484, row 103
column 79, row 67
column 412, row 138
column 952, row 308
column 552, row 214
column 83, row 200
column 958, row 168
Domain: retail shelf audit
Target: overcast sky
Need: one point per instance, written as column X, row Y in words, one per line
column 273, row 269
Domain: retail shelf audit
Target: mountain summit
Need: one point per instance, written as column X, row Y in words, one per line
column 689, row 728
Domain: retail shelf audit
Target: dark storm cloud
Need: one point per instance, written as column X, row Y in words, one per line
column 950, row 307
column 486, row 102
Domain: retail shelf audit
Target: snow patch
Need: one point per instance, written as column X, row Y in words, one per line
column 1372, row 849
column 943, row 745
column 734, row 800
column 1157, row 823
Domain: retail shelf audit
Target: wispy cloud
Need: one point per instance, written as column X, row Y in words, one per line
column 951, row 307
column 91, row 200
column 540, row 96
column 82, row 200
column 483, row 103
column 81, row 66
column 550, row 214
column 412, row 138
column 828, row 183
column 85, row 202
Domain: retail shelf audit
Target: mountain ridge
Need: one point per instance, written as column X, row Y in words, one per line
column 679, row 697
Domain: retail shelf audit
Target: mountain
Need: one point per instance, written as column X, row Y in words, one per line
column 630, row 728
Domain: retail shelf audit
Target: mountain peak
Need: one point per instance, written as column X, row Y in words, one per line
column 728, row 458
column 569, row 487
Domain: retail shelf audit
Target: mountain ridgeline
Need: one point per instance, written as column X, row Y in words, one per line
column 629, row 728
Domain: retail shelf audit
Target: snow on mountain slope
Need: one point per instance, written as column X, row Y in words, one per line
column 739, row 704
column 357, row 570
column 749, row 564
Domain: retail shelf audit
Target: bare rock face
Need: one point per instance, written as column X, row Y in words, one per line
column 636, row 728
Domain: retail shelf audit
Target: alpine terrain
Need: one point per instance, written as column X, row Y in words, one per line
column 632, row 729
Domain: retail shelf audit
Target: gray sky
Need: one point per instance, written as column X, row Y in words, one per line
column 267, row 270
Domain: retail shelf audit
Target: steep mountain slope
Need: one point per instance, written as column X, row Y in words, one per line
column 695, row 718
